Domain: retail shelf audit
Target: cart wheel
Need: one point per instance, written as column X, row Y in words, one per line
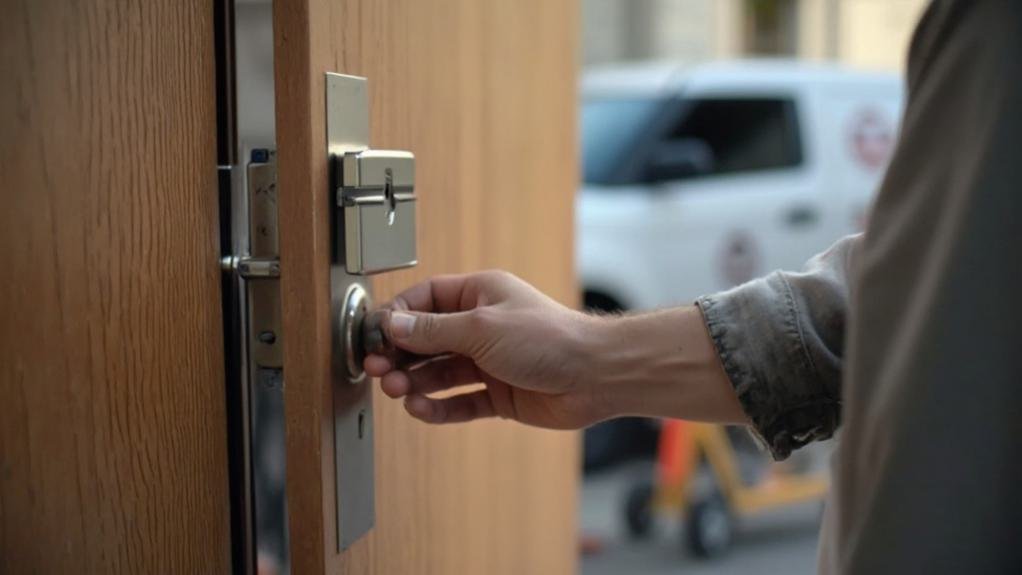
column 709, row 531
column 639, row 510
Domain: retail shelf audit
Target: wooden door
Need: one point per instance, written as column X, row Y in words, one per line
column 112, row 434
column 484, row 94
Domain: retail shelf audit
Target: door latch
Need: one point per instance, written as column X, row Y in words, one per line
column 259, row 268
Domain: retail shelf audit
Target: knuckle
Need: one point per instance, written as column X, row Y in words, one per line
column 496, row 277
column 505, row 276
column 428, row 326
column 483, row 319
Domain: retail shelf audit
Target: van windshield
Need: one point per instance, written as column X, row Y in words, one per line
column 610, row 126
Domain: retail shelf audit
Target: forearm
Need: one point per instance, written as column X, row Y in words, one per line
column 659, row 364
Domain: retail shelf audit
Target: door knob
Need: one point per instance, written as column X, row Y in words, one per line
column 352, row 321
column 362, row 331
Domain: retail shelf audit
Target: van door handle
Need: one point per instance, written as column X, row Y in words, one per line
column 801, row 216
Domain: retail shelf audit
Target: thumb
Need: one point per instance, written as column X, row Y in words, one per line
column 429, row 333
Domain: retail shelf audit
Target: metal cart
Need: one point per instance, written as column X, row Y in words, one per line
column 688, row 452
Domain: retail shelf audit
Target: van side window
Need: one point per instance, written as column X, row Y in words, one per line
column 730, row 136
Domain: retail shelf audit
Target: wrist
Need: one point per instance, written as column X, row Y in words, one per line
column 659, row 364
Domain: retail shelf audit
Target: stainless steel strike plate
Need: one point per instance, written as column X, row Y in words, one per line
column 373, row 222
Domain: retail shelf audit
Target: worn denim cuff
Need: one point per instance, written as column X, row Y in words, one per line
column 758, row 334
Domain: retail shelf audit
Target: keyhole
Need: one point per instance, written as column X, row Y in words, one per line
column 361, row 424
column 388, row 195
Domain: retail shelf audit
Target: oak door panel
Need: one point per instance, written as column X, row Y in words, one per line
column 484, row 94
column 112, row 434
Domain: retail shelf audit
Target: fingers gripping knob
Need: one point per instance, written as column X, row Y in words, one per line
column 375, row 340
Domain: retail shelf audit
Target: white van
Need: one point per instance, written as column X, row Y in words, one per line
column 697, row 179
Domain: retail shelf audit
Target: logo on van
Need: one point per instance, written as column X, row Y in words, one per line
column 871, row 136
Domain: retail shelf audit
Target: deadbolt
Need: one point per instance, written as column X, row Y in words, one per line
column 377, row 198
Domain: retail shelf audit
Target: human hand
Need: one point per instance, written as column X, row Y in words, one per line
column 495, row 329
column 542, row 363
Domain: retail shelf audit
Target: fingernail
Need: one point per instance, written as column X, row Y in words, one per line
column 401, row 324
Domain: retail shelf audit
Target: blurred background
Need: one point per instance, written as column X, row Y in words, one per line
column 720, row 140
column 870, row 34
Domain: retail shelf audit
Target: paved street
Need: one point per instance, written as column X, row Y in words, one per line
column 783, row 541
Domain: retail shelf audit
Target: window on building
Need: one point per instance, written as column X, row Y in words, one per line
column 771, row 27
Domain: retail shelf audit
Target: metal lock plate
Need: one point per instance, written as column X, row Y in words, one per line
column 378, row 200
column 374, row 231
column 347, row 131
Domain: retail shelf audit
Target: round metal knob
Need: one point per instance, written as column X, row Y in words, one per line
column 353, row 313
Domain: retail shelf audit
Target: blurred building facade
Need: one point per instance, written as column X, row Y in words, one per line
column 872, row 34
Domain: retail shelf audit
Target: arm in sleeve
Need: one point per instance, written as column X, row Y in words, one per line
column 780, row 341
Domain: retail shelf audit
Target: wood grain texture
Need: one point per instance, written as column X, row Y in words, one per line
column 484, row 94
column 112, row 433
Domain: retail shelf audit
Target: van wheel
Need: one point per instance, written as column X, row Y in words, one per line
column 709, row 529
column 593, row 300
column 639, row 510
